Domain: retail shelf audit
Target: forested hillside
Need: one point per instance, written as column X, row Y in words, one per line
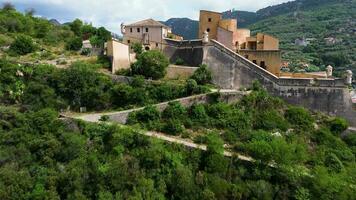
column 330, row 28
column 294, row 153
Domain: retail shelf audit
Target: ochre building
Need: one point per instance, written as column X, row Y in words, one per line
column 261, row 49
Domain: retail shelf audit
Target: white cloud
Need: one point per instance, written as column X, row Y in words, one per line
column 110, row 13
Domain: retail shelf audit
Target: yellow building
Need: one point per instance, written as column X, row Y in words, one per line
column 261, row 49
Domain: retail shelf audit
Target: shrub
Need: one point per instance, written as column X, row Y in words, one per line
column 198, row 114
column 351, row 139
column 104, row 118
column 137, row 48
column 138, row 82
column 270, row 120
column 334, row 163
column 23, row 45
column 338, row 125
column 179, row 61
column 74, row 44
column 299, row 117
column 148, row 114
column 173, row 127
column 104, row 61
column 174, row 110
column 202, row 75
column 191, row 86
column 150, row 64
column 85, row 52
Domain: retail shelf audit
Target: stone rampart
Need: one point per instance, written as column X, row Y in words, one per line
column 231, row 70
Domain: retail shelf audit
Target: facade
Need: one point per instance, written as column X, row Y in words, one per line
column 261, row 49
column 150, row 33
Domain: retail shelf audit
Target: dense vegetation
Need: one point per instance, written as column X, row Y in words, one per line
column 44, row 86
column 298, row 154
column 306, row 148
column 41, row 158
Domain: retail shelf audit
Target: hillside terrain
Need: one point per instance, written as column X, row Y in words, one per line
column 293, row 153
column 30, row 39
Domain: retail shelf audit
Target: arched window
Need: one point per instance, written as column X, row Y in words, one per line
column 208, row 30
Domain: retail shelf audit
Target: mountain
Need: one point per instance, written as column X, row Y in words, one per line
column 184, row 27
column 55, row 22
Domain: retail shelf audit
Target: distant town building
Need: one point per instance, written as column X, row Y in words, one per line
column 301, row 42
column 332, row 40
column 150, row 33
column 261, row 49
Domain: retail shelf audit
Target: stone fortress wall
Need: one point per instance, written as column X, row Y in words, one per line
column 233, row 71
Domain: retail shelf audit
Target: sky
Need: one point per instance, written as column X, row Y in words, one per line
column 111, row 13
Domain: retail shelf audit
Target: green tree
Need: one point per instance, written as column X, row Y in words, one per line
column 76, row 27
column 338, row 125
column 137, row 48
column 150, row 64
column 74, row 44
column 202, row 75
column 23, row 45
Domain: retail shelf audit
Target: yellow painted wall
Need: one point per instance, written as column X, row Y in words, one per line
column 204, row 23
column 241, row 35
column 228, row 24
column 270, row 43
column 272, row 59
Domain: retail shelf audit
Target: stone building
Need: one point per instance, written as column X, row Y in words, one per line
column 261, row 49
column 150, row 33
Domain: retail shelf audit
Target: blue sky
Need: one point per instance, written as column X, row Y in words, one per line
column 110, row 13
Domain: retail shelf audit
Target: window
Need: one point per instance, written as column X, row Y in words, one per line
column 138, row 30
column 254, row 61
column 128, row 41
column 131, row 30
column 246, row 56
column 156, row 44
column 209, row 20
column 146, row 30
column 208, row 30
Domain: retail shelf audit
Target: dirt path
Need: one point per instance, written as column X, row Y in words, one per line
column 93, row 118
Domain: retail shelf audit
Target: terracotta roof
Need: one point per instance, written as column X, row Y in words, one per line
column 148, row 22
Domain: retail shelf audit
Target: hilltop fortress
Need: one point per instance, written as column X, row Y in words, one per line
column 236, row 59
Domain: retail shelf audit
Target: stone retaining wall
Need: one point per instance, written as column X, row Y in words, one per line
column 177, row 71
column 121, row 117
